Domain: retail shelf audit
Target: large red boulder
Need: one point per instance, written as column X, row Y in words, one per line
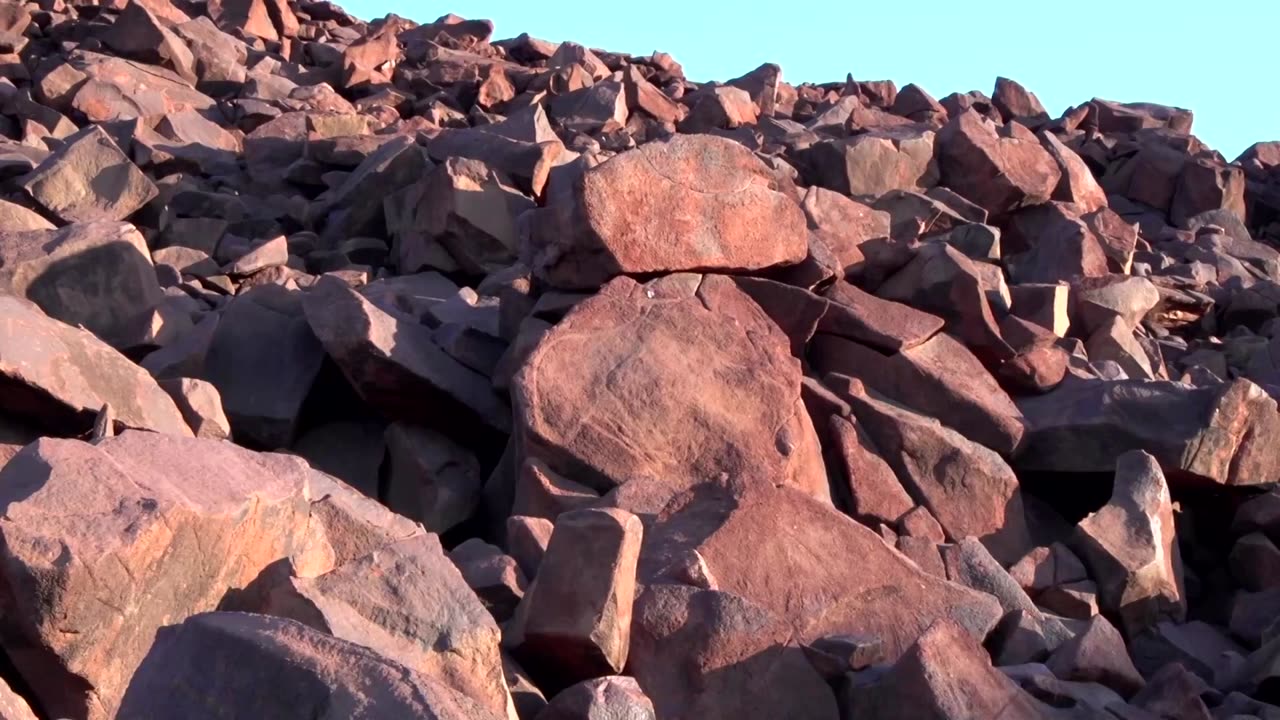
column 655, row 388
column 695, row 202
column 1001, row 169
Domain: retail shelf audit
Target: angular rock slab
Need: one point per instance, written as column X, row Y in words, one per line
column 89, row 178
column 607, row 698
column 967, row 487
column 706, row 654
column 395, row 365
column 1131, row 548
column 666, row 385
column 999, row 169
column 822, row 572
column 219, row 664
column 1219, row 434
column 948, row 676
column 60, row 377
column 939, row 377
column 98, row 275
column 138, row 532
column 575, row 621
column 407, row 602
column 695, row 202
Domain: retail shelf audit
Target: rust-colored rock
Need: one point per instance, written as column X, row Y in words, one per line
column 690, row 203
column 999, row 170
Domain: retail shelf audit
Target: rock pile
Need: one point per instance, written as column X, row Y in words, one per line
column 383, row 369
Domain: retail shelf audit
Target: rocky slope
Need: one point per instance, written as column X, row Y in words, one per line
column 387, row 370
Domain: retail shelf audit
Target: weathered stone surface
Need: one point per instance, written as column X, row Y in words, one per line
column 1015, row 102
column 874, row 493
column 407, row 602
column 945, row 674
column 432, row 479
column 219, row 662
column 1207, row 434
column 59, row 377
column 882, row 324
column 200, row 405
column 395, row 366
column 700, row 338
column 139, row 34
column 691, row 203
column 938, row 378
column 1131, row 548
column 163, row 527
column 704, row 653
column 884, row 595
column 967, row 487
column 1000, row 171
column 97, row 275
column 575, row 621
column 88, row 179
column 264, row 360
column 1097, row 655
column 874, row 163
column 607, row 698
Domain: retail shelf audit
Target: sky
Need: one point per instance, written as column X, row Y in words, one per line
column 1217, row 60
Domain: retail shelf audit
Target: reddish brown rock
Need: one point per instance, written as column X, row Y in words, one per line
column 97, row 275
column 1209, row 434
column 701, row 338
column 1097, row 655
column 371, row 60
column 527, row 539
column 121, row 89
column 1047, row 567
column 1077, row 185
column 89, row 179
column 884, row 595
column 141, row 35
column 251, row 17
column 395, row 364
column 1131, row 548
column 607, row 698
column 13, row 706
column 494, row 576
column 701, row 653
column 946, row 675
column 723, row 108
column 882, row 324
column 1000, row 171
column 408, row 603
column 938, row 378
column 432, row 479
column 690, row 203
column 874, row 163
column 913, row 103
column 575, row 621
column 542, row 492
column 59, row 377
column 201, row 406
column 235, row 662
column 971, row 491
column 1016, row 103
column 1255, row 563
column 875, row 494
column 856, row 234
column 164, row 527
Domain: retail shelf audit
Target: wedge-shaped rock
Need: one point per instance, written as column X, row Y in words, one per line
column 1132, row 550
column 140, row 35
column 946, row 675
column 432, row 479
column 220, row 663
column 695, row 202
column 1097, row 655
column 1218, row 433
column 800, row 580
column 88, row 179
column 396, row 367
column 140, row 531
column 940, row 378
column 201, row 406
column 60, row 377
column 883, row 324
column 574, row 623
column 407, row 602
column 967, row 487
column 586, row 400
column 121, row 89
column 97, row 275
column 705, row 654
column 999, row 169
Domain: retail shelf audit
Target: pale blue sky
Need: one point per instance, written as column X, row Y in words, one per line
column 1219, row 61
